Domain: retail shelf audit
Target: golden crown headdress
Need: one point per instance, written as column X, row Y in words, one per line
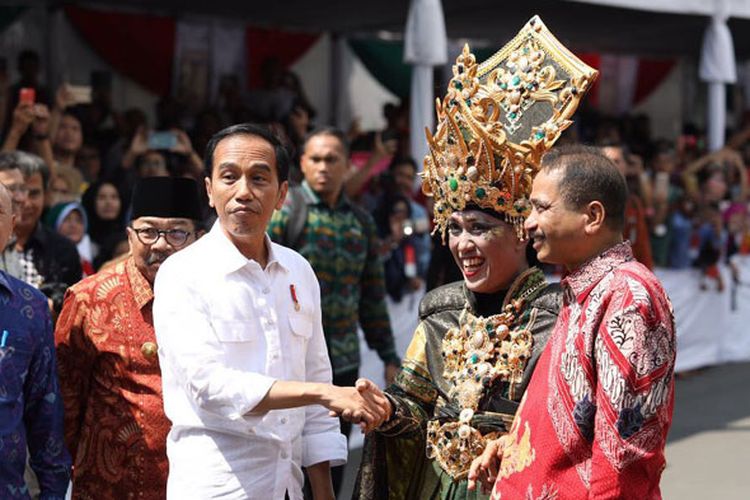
column 497, row 120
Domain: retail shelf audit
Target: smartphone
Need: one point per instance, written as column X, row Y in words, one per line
column 27, row 95
column 162, row 140
column 81, row 94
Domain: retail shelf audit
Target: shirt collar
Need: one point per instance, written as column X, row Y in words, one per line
column 142, row 290
column 582, row 280
column 312, row 198
column 228, row 259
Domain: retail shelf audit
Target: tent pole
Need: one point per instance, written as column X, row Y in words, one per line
column 717, row 115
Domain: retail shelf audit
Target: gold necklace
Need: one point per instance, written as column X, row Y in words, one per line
column 475, row 354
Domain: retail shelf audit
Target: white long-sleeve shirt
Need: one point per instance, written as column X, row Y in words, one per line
column 226, row 330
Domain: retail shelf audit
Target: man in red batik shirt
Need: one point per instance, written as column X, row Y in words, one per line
column 595, row 417
column 115, row 427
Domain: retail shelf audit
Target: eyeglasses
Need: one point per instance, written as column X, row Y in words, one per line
column 150, row 235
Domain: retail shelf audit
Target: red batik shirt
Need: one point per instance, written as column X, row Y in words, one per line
column 115, row 427
column 595, row 417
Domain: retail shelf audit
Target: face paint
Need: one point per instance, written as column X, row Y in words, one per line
column 486, row 249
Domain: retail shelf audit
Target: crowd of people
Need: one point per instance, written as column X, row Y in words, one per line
column 169, row 373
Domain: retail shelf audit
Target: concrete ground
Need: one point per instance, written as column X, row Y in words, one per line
column 708, row 450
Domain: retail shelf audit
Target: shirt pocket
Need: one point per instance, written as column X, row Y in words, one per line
column 301, row 323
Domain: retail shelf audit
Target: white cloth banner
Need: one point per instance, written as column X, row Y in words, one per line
column 712, row 326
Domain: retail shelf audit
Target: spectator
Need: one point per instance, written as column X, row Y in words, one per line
column 68, row 140
column 403, row 176
column 393, row 220
column 89, row 162
column 48, row 261
column 31, row 413
column 635, row 229
column 28, row 67
column 65, row 185
column 104, row 208
column 69, row 220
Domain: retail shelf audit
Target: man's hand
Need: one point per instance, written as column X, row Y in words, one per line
column 41, row 123
column 372, row 393
column 64, row 98
column 349, row 404
column 484, row 468
column 391, row 370
column 23, row 116
column 382, row 149
column 139, row 144
column 183, row 146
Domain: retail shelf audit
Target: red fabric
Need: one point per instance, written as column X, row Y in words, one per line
column 595, row 61
column 651, row 74
column 137, row 45
column 595, row 417
column 262, row 44
column 110, row 381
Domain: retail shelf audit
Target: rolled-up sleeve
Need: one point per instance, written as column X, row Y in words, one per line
column 191, row 354
column 322, row 440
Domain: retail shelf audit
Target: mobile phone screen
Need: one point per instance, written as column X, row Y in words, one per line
column 27, row 95
column 162, row 140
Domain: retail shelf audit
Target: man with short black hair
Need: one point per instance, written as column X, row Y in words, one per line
column 596, row 414
column 339, row 240
column 115, row 425
column 245, row 370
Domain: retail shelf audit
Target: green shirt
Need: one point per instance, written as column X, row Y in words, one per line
column 341, row 248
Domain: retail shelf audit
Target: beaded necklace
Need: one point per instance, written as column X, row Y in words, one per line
column 475, row 354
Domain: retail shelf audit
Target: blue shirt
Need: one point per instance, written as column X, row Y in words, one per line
column 31, row 410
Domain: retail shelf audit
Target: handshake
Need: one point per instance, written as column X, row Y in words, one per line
column 364, row 404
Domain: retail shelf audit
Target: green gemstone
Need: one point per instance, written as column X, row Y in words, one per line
column 539, row 135
column 480, row 192
column 512, row 115
column 504, row 86
column 458, row 85
column 501, row 201
column 453, row 183
column 516, row 80
column 474, row 358
column 468, row 102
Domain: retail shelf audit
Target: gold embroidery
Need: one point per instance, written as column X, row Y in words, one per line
column 517, row 451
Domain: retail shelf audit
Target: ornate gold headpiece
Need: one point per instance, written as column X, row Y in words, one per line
column 497, row 120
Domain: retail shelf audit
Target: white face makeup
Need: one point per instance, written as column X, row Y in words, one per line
column 486, row 249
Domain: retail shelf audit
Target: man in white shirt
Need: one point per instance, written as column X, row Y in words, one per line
column 245, row 369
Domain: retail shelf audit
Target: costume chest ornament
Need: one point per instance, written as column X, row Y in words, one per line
column 477, row 354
